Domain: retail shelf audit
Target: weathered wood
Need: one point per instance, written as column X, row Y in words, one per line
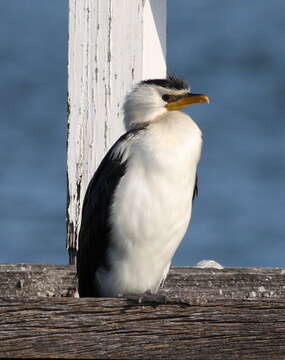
column 37, row 280
column 234, row 313
column 118, row 328
column 112, row 45
column 188, row 283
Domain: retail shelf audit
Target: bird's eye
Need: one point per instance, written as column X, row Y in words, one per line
column 166, row 97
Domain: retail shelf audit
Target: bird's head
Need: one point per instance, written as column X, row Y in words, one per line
column 151, row 98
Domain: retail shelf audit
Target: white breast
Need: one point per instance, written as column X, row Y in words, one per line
column 152, row 205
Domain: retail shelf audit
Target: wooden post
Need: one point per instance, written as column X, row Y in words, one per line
column 112, row 45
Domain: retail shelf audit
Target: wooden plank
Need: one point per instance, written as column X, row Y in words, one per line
column 154, row 39
column 188, row 283
column 119, row 328
column 234, row 313
column 32, row 280
column 112, row 45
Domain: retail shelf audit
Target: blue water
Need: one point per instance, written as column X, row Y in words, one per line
column 231, row 50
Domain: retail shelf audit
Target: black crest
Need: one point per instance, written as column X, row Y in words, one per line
column 171, row 82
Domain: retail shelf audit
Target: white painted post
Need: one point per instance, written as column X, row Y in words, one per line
column 112, row 45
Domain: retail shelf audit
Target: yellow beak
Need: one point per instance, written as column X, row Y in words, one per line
column 187, row 100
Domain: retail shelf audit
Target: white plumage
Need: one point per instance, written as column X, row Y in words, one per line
column 151, row 204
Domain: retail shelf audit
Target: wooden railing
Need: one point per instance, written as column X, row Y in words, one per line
column 235, row 313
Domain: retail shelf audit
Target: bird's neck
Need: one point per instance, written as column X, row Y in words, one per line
column 142, row 117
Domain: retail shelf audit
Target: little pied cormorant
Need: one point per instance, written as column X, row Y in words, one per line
column 138, row 204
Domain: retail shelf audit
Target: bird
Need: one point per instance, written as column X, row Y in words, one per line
column 138, row 204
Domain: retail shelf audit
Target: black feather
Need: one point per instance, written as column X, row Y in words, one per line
column 95, row 230
column 171, row 82
column 195, row 190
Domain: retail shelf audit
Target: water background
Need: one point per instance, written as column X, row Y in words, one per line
column 231, row 50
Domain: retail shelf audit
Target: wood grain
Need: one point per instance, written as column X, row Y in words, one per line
column 119, row 328
column 235, row 313
column 189, row 283
column 33, row 280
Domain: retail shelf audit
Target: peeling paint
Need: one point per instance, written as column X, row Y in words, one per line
column 68, row 106
column 133, row 75
column 78, row 189
column 106, row 135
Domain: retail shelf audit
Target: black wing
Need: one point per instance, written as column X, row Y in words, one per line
column 195, row 191
column 94, row 235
